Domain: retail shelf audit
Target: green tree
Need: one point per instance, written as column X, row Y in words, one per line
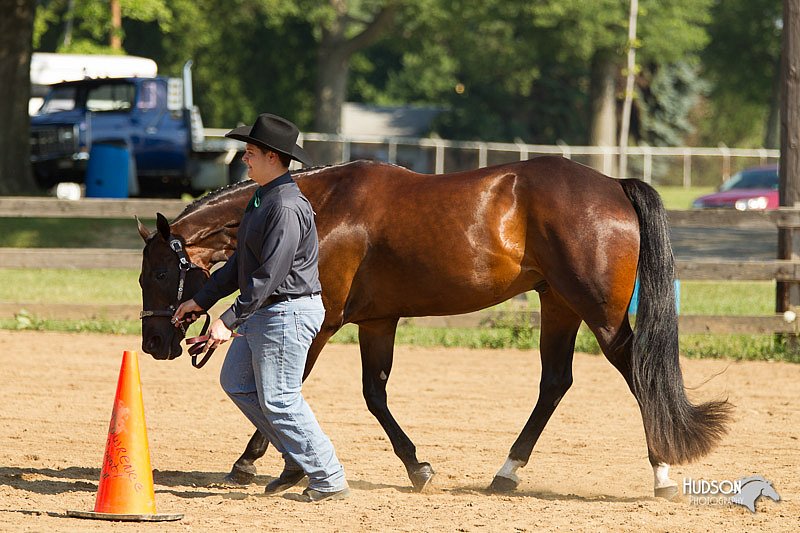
column 667, row 95
column 260, row 59
column 477, row 59
column 668, row 32
column 539, row 71
column 84, row 26
column 288, row 57
column 742, row 61
column 341, row 29
column 256, row 61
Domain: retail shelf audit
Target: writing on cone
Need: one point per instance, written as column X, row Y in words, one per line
column 126, row 489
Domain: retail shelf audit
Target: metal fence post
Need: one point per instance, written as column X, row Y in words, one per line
column 726, row 161
column 439, row 157
column 762, row 156
column 607, row 160
column 565, row 151
column 482, row 155
column 523, row 151
column 647, row 171
column 687, row 168
column 345, row 151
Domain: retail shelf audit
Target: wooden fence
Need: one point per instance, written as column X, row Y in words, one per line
column 84, row 258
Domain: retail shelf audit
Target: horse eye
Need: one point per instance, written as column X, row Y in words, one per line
column 161, row 276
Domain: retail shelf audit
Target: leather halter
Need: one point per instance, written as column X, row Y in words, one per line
column 185, row 265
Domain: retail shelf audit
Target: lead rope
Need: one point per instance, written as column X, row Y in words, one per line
column 197, row 345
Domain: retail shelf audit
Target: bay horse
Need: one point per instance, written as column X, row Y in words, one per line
column 394, row 243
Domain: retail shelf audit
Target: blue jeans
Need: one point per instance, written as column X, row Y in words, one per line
column 263, row 375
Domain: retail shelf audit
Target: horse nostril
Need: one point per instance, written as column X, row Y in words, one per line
column 152, row 344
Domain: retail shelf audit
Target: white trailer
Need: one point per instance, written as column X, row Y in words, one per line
column 47, row 69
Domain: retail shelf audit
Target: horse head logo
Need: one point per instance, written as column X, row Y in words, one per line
column 752, row 488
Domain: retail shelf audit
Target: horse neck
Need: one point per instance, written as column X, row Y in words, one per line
column 207, row 244
column 209, row 233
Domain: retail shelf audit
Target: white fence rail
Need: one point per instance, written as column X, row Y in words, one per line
column 678, row 166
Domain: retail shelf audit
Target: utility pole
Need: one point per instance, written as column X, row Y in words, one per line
column 116, row 25
column 69, row 23
column 626, row 106
column 788, row 294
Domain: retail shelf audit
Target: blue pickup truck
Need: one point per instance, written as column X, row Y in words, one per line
column 153, row 118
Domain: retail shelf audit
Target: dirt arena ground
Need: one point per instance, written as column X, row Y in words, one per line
column 462, row 408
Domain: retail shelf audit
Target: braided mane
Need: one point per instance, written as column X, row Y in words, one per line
column 226, row 191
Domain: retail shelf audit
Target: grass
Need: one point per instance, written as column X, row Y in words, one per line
column 25, row 321
column 680, row 197
column 70, row 233
column 742, row 298
column 101, row 286
column 121, row 286
column 736, row 347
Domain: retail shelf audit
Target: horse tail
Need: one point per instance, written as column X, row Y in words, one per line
column 677, row 431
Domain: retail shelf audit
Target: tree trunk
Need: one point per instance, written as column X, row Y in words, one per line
column 16, row 34
column 333, row 68
column 603, row 106
column 333, row 72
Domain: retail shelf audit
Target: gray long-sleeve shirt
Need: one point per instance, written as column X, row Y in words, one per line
column 277, row 253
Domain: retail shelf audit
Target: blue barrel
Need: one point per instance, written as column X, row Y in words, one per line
column 634, row 305
column 107, row 170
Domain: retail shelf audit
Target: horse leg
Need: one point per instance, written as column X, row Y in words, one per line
column 617, row 349
column 376, row 339
column 557, row 344
column 663, row 486
column 244, row 470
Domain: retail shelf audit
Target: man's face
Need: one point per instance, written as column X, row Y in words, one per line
column 259, row 163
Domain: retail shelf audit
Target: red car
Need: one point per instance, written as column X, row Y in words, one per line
column 752, row 188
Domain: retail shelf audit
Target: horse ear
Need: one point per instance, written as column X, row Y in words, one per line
column 163, row 226
column 143, row 231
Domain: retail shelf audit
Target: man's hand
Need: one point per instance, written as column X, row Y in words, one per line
column 189, row 306
column 218, row 333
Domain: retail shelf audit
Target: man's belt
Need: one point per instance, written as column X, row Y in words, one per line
column 278, row 298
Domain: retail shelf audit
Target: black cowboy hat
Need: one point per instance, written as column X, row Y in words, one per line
column 274, row 133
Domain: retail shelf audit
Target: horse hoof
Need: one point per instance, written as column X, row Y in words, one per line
column 503, row 484
column 241, row 475
column 421, row 477
column 668, row 493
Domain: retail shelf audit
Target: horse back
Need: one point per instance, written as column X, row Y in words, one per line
column 401, row 243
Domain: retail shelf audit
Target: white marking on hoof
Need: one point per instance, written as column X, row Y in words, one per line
column 661, row 475
column 509, row 469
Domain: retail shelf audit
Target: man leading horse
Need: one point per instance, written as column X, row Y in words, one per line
column 278, row 312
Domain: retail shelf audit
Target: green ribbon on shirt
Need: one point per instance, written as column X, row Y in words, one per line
column 254, row 202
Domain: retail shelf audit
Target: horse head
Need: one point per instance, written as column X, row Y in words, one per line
column 763, row 486
column 167, row 278
column 752, row 488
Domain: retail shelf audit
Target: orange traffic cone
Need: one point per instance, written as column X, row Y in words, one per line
column 126, row 479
